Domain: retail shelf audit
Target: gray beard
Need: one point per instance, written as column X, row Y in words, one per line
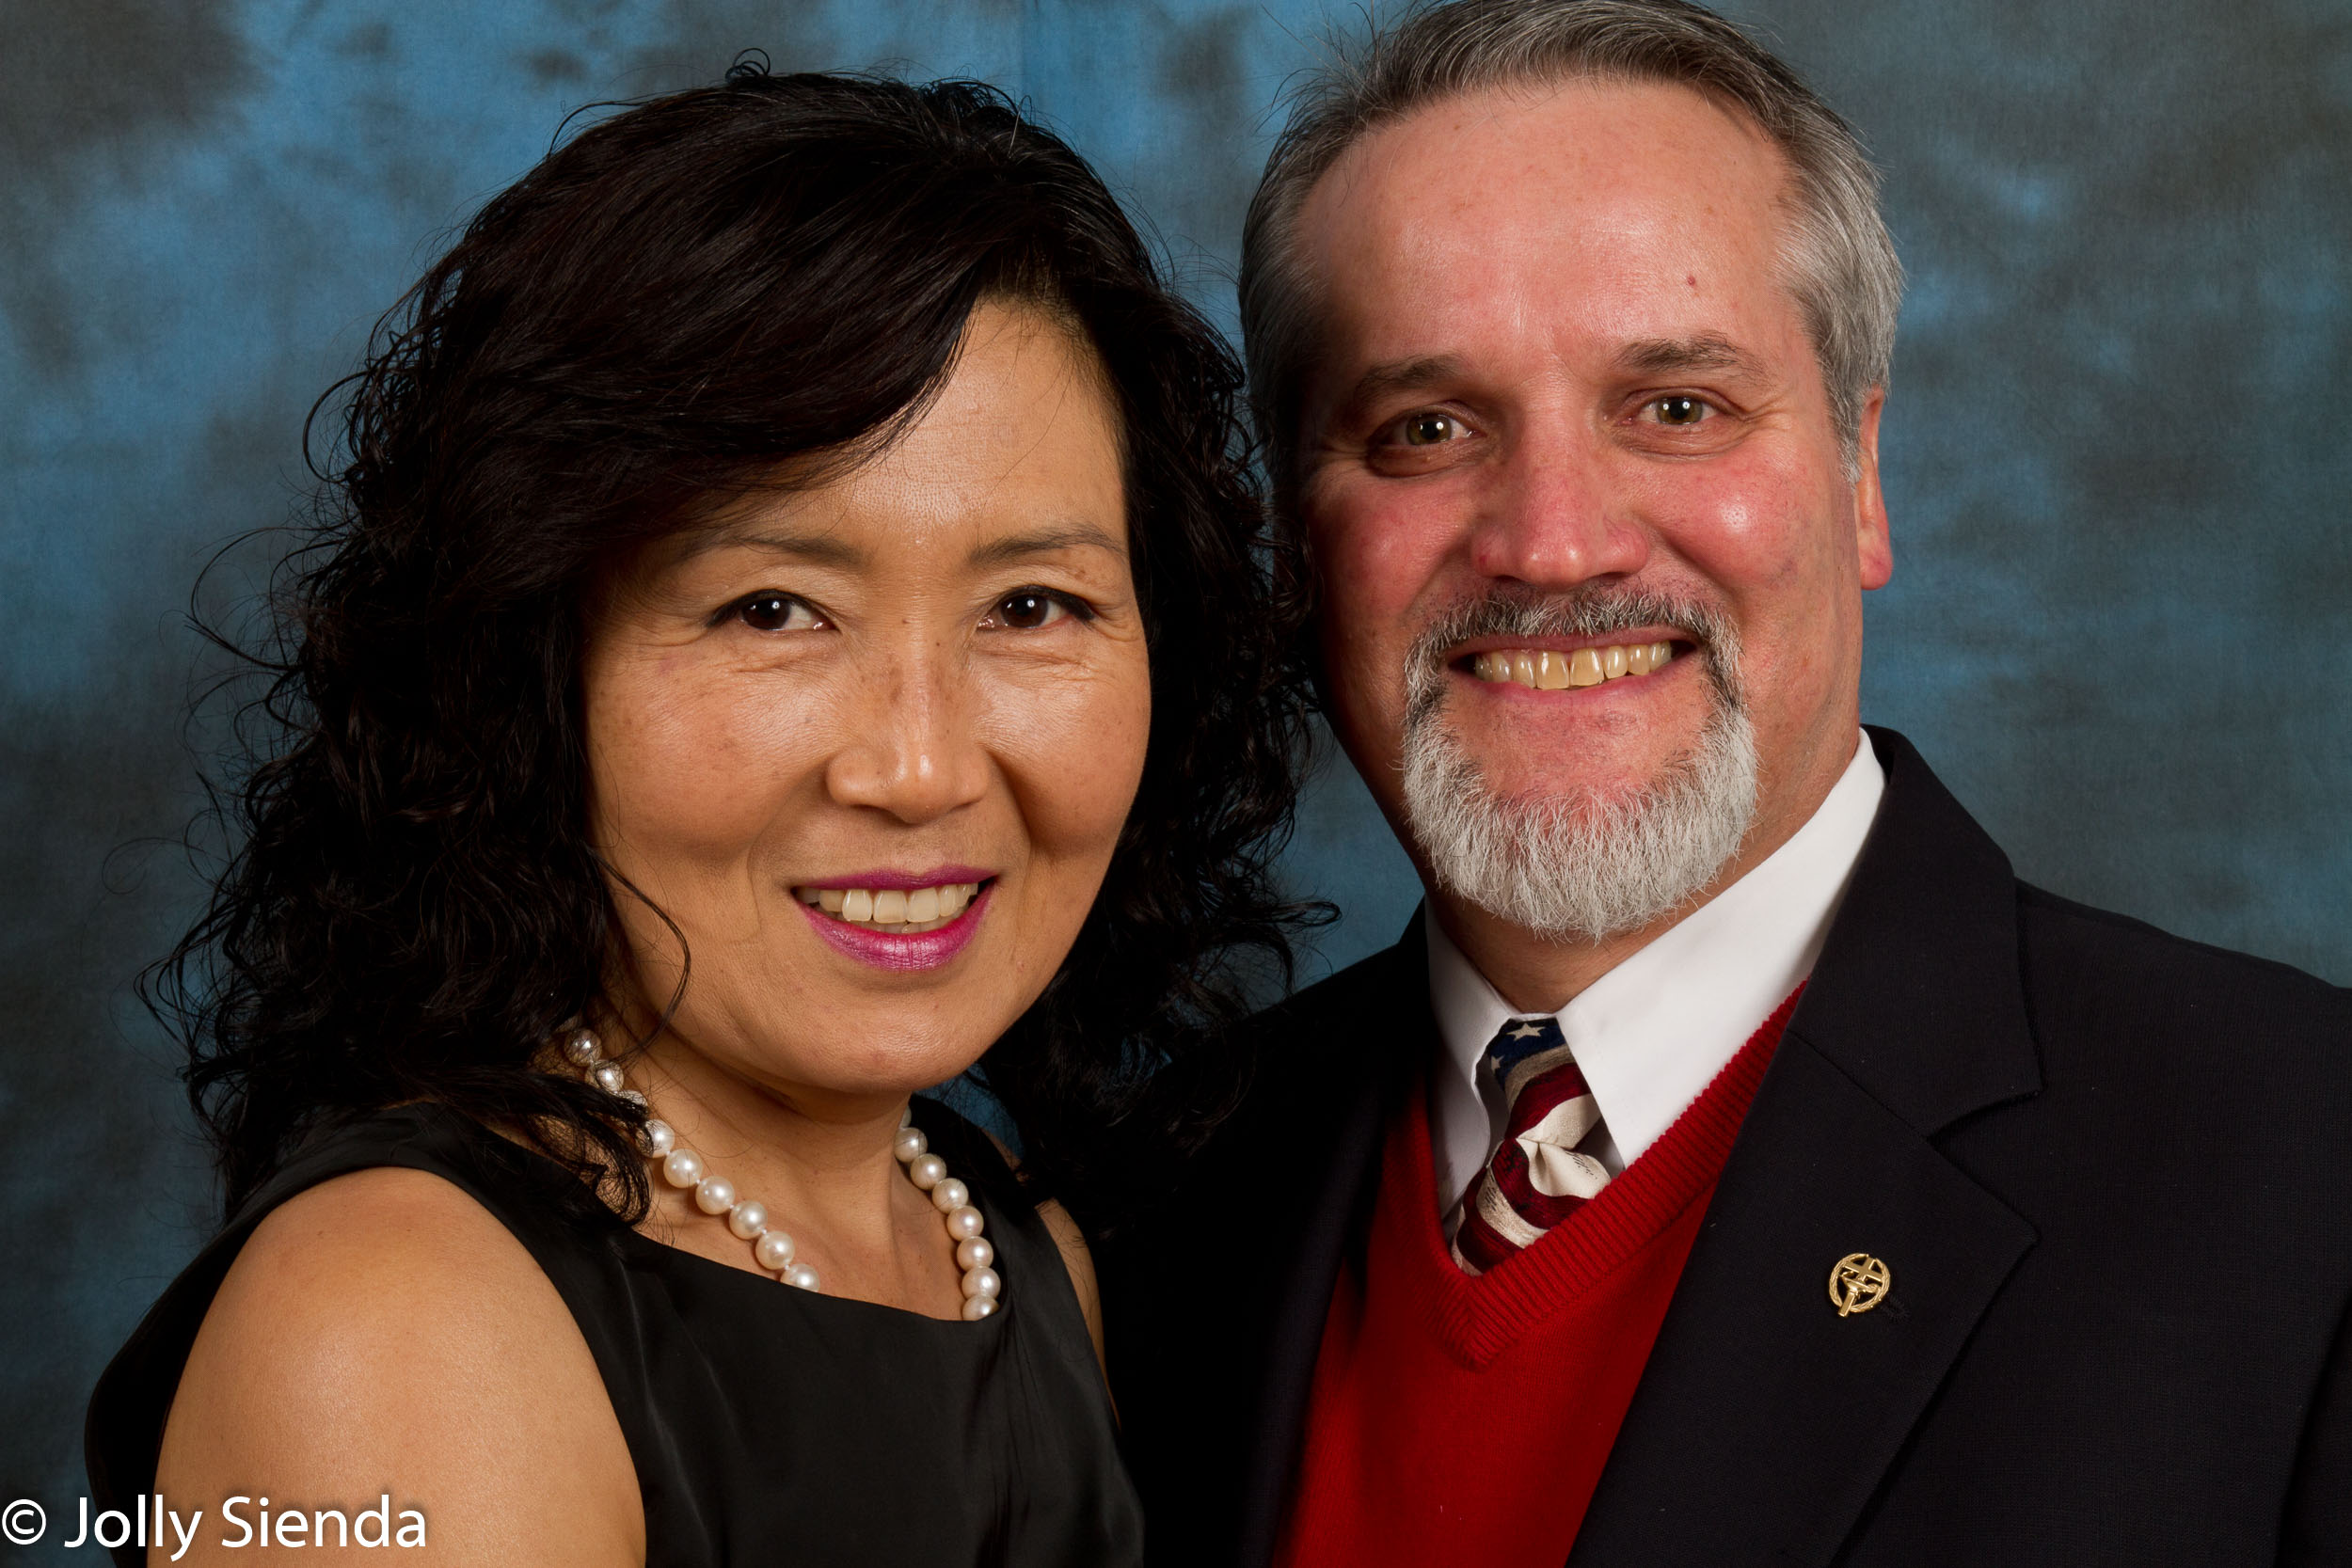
column 1577, row 865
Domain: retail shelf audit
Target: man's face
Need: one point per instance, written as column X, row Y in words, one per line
column 1559, row 372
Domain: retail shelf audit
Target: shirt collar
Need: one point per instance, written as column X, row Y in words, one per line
column 1653, row 1031
column 1469, row 1010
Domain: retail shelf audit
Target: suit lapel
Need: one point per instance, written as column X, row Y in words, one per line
column 1765, row 1420
column 1375, row 1043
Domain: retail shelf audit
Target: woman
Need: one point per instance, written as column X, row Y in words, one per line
column 790, row 626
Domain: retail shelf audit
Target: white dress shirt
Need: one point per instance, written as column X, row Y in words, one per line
column 1652, row 1032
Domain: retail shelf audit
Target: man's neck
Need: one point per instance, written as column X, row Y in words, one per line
column 1536, row 973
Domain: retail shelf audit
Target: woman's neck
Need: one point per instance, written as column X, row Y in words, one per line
column 820, row 1163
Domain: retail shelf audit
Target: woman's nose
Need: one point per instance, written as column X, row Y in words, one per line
column 913, row 748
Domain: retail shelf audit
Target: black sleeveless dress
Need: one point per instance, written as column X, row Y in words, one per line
column 767, row 1424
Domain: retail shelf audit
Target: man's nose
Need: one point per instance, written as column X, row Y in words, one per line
column 913, row 750
column 1556, row 515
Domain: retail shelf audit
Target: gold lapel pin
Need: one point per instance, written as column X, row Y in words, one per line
column 1858, row 1283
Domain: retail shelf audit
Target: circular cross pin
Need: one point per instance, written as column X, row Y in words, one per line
column 1858, row 1283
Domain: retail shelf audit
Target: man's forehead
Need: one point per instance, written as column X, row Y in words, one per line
column 1469, row 152
column 1580, row 196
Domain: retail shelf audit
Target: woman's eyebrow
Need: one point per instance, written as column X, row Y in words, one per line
column 820, row 550
column 1047, row 541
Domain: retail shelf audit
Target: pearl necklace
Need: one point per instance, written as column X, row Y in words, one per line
column 683, row 1168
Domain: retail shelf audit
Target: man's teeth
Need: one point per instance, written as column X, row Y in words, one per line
column 901, row 912
column 1547, row 671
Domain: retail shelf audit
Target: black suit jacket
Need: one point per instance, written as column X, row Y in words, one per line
column 2110, row 1170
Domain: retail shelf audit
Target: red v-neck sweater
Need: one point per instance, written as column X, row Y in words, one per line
column 1461, row 1420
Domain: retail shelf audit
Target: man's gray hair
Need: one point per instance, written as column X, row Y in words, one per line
column 1840, row 261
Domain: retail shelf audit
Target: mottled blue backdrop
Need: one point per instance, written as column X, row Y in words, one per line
column 2120, row 622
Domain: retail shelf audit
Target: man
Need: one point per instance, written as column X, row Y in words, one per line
column 1734, row 1163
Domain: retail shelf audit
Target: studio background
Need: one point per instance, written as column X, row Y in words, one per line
column 2116, row 452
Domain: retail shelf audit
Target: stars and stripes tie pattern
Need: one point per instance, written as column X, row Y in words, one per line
column 1543, row 1172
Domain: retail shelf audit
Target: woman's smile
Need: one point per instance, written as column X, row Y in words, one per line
column 894, row 920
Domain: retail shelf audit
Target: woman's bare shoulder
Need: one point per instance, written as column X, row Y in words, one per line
column 383, row 1332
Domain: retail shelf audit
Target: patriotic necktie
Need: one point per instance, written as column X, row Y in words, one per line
column 1542, row 1173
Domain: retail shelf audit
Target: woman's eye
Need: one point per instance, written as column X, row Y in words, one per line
column 1026, row 609
column 1680, row 409
column 777, row 612
column 1429, row 429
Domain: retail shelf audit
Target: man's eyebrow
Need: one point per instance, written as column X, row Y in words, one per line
column 1705, row 352
column 1403, row 376
column 1047, row 541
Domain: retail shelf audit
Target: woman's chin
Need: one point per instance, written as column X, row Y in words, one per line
column 890, row 1074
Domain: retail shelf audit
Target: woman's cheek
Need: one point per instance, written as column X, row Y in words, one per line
column 1073, row 746
column 695, row 763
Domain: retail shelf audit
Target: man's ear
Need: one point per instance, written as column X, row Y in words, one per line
column 1873, row 546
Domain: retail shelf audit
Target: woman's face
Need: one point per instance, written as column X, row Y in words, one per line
column 871, row 745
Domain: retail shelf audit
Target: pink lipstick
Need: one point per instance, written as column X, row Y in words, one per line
column 874, row 937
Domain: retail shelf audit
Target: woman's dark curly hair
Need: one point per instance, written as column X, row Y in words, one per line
column 669, row 307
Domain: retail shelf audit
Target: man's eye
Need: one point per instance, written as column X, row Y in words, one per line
column 1680, row 409
column 1027, row 609
column 1430, row 430
column 777, row 612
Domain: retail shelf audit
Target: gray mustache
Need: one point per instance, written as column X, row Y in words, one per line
column 1586, row 612
column 1597, row 613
